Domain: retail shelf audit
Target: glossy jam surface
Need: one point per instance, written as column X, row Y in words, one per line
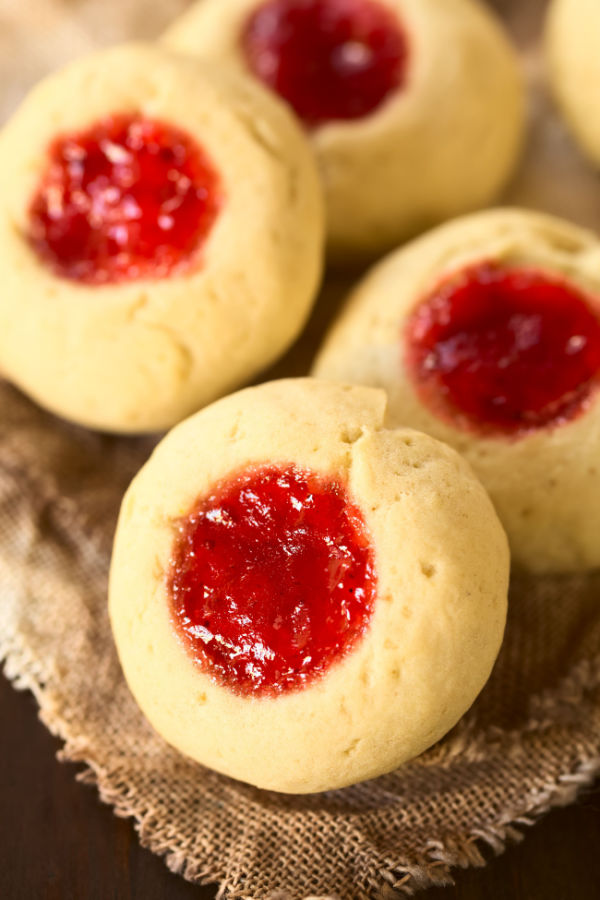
column 330, row 59
column 129, row 198
column 505, row 350
column 272, row 579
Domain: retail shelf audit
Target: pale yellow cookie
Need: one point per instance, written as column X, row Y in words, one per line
column 142, row 352
column 443, row 141
column 573, row 54
column 533, row 438
column 431, row 603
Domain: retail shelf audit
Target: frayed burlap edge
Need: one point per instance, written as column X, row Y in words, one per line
column 69, row 503
column 435, row 867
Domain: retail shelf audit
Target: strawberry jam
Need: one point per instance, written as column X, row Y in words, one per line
column 272, row 579
column 128, row 198
column 504, row 349
column 330, row 59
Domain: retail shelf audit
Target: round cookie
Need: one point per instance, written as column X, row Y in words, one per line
column 288, row 573
column 415, row 108
column 486, row 335
column 162, row 235
column 573, row 54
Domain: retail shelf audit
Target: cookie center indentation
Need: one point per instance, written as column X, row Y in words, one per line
column 126, row 199
column 505, row 349
column 330, row 59
column 272, row 579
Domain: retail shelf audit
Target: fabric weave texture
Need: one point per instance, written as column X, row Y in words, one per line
column 529, row 743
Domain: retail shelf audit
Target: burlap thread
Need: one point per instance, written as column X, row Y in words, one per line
column 529, row 743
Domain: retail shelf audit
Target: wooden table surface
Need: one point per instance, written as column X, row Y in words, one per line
column 58, row 842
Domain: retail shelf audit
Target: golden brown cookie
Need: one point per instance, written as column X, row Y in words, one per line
column 414, row 107
column 302, row 598
column 161, row 229
column 486, row 334
column 573, row 54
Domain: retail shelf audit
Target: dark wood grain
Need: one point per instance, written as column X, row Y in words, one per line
column 58, row 842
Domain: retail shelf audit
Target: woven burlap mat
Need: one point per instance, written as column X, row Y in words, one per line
column 529, row 743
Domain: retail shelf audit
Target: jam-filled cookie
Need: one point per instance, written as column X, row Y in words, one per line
column 414, row 107
column 161, row 229
column 486, row 334
column 573, row 52
column 300, row 597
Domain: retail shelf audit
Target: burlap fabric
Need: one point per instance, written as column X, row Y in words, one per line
column 529, row 743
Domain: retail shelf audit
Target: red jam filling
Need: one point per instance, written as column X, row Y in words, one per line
column 506, row 350
column 272, row 579
column 330, row 59
column 129, row 198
